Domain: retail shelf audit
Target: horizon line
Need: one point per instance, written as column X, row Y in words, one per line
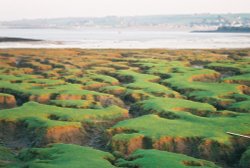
column 177, row 14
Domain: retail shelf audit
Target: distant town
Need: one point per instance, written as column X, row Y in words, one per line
column 195, row 22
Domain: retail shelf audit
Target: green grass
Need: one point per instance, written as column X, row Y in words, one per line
column 174, row 106
column 65, row 156
column 241, row 79
column 7, row 157
column 240, row 97
column 134, row 95
column 27, row 85
column 104, row 78
column 22, row 77
column 136, row 76
column 245, row 159
column 159, row 159
column 91, row 79
column 236, row 67
column 161, row 67
column 210, row 92
column 76, row 104
column 30, row 89
column 167, row 106
column 145, row 82
column 188, row 125
column 37, row 115
column 47, row 82
column 5, row 95
column 62, row 91
column 116, row 90
column 243, row 106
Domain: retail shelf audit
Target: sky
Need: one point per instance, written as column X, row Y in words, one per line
column 31, row 9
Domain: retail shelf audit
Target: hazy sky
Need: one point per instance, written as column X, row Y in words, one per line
column 20, row 9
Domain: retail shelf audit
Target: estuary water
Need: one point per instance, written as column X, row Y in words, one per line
column 123, row 38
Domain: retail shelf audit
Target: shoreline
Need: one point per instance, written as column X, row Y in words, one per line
column 123, row 48
column 129, row 40
column 17, row 39
column 113, row 45
column 47, row 48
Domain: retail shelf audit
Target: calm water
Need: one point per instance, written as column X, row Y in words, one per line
column 60, row 38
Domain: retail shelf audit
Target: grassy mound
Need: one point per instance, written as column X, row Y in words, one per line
column 189, row 134
column 245, row 159
column 240, row 79
column 243, row 106
column 114, row 90
column 228, row 66
column 194, row 84
column 198, row 84
column 94, row 81
column 45, row 123
column 76, row 104
column 169, row 107
column 65, row 156
column 43, row 93
column 155, row 158
column 145, row 82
